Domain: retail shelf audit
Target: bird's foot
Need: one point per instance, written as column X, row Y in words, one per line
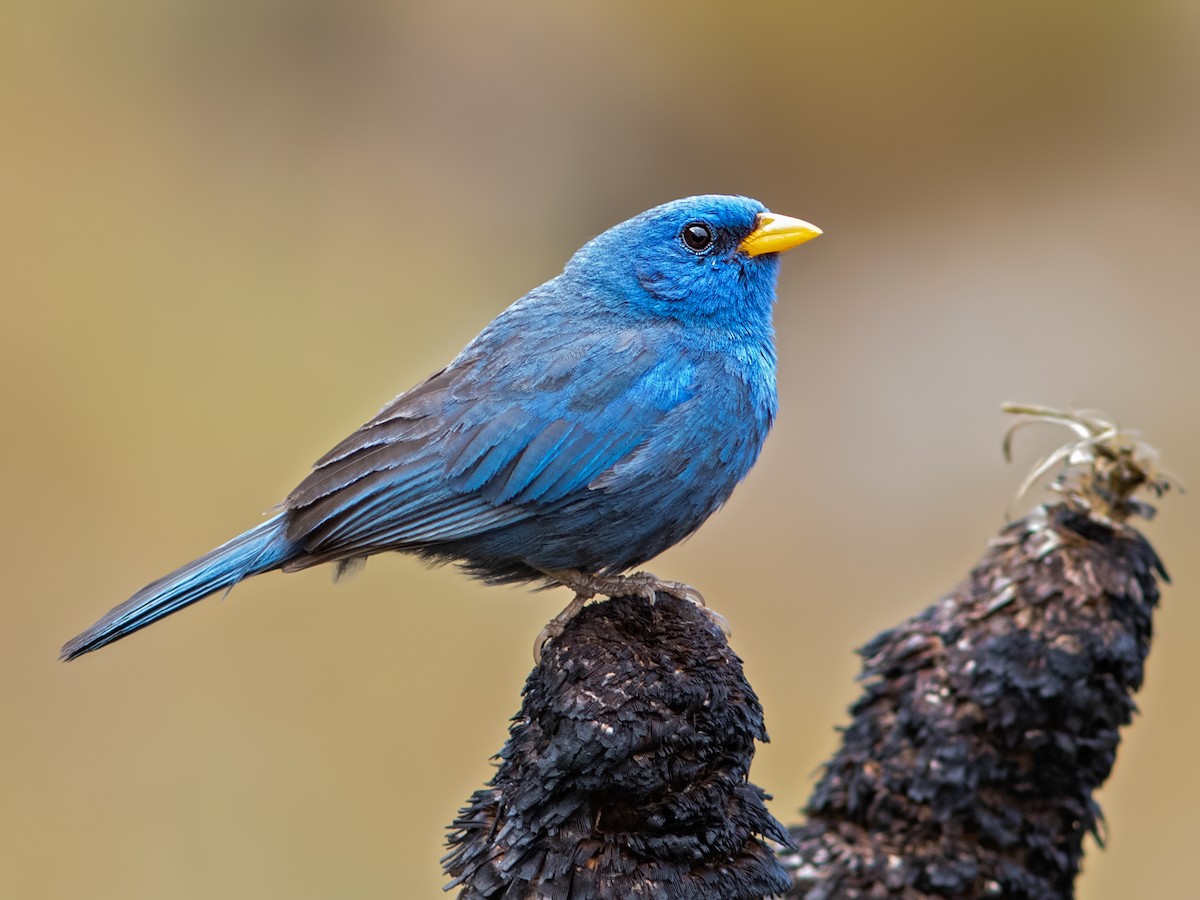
column 640, row 584
column 556, row 626
column 647, row 585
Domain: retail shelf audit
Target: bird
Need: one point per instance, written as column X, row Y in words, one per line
column 595, row 422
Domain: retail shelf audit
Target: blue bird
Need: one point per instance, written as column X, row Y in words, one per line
column 594, row 423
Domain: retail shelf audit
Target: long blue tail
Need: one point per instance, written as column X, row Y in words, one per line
column 260, row 549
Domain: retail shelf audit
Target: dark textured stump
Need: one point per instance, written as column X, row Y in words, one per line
column 625, row 773
column 988, row 721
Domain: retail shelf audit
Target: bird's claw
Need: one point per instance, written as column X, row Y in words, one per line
column 556, row 626
column 646, row 585
column 717, row 619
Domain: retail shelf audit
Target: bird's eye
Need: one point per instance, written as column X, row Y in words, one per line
column 697, row 237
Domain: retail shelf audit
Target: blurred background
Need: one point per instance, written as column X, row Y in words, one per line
column 233, row 230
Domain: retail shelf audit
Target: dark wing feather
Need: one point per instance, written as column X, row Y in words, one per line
column 489, row 441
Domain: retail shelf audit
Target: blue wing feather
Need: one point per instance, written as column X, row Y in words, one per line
column 449, row 459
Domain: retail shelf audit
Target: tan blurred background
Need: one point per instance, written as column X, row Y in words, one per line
column 231, row 231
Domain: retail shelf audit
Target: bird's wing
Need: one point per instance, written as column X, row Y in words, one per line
column 491, row 440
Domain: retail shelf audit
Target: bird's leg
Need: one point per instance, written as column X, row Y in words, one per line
column 640, row 584
column 555, row 627
column 576, row 581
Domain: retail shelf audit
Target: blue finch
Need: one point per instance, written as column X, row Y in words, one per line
column 594, row 423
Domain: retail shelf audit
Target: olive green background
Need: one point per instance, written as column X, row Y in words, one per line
column 232, row 230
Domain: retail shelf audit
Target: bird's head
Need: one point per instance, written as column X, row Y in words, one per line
column 709, row 259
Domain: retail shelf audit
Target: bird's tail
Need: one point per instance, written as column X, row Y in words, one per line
column 258, row 550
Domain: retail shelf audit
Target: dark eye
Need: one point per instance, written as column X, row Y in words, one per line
column 697, row 236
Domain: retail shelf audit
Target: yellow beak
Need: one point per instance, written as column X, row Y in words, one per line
column 774, row 233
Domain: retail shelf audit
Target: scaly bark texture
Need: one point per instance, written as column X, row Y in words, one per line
column 987, row 721
column 625, row 773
